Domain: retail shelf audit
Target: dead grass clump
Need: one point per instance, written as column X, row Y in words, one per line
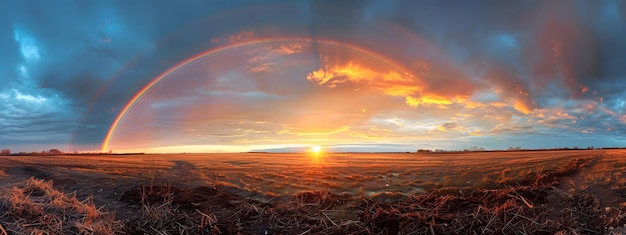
column 161, row 213
column 312, row 212
column 572, row 166
column 536, row 209
column 35, row 207
column 166, row 218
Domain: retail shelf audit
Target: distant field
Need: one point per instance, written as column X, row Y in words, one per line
column 369, row 174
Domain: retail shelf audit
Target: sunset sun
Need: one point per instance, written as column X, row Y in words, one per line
column 316, row 149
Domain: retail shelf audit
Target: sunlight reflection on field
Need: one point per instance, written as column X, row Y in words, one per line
column 369, row 174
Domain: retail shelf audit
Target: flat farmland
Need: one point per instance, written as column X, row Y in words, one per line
column 290, row 173
column 277, row 178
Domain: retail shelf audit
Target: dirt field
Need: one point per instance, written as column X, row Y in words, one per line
column 255, row 193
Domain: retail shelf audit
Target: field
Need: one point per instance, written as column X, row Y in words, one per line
column 523, row 192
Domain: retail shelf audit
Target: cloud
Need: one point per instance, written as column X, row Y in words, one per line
column 422, row 86
column 449, row 126
column 30, row 118
column 567, row 50
column 511, row 88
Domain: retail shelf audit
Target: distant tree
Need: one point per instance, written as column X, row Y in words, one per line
column 475, row 148
column 5, row 152
column 55, row 152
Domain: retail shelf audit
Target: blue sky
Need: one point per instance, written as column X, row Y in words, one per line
column 372, row 75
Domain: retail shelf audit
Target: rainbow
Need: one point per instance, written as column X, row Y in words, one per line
column 191, row 60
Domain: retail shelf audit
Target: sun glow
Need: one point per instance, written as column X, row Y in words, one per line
column 317, row 156
column 316, row 149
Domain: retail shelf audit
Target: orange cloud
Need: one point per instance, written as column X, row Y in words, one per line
column 522, row 107
column 348, row 73
column 510, row 87
column 475, row 133
column 448, row 126
column 428, row 101
column 392, row 83
column 376, row 128
column 288, row 49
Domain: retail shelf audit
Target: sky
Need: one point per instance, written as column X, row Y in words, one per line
column 229, row 76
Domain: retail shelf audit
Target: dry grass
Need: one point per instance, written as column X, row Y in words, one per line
column 35, row 207
column 514, row 210
column 161, row 215
column 610, row 169
column 535, row 205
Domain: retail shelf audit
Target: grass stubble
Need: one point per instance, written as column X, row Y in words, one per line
column 538, row 206
column 35, row 207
